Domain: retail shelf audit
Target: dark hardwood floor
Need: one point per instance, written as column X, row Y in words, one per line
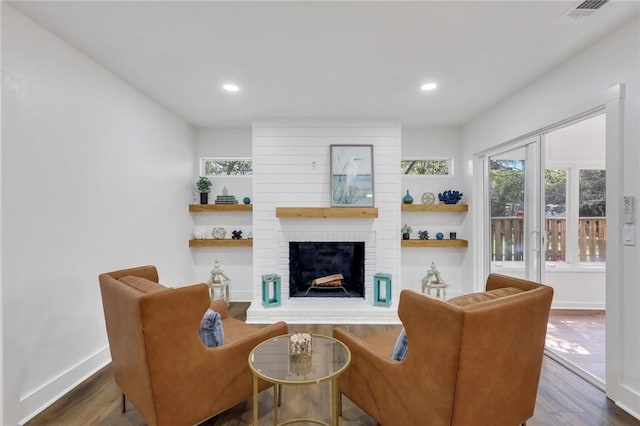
column 563, row 399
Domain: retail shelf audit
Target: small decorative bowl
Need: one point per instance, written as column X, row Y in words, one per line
column 450, row 197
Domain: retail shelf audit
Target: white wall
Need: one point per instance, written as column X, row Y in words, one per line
column 437, row 143
column 580, row 84
column 95, row 177
column 236, row 262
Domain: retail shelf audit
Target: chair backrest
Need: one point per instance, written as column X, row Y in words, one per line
column 479, row 356
column 155, row 346
column 121, row 305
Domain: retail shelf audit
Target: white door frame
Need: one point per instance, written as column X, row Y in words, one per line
column 612, row 102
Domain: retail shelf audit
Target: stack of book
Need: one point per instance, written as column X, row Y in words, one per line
column 226, row 199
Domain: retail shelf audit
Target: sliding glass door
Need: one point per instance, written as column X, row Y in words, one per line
column 514, row 208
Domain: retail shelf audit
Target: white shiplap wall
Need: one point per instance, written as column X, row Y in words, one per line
column 291, row 166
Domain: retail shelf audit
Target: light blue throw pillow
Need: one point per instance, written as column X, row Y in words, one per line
column 211, row 332
column 400, row 349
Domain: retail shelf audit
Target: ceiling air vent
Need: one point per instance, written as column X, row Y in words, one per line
column 585, row 8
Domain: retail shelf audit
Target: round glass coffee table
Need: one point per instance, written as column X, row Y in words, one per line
column 274, row 362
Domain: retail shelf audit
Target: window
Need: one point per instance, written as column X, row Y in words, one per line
column 225, row 167
column 427, row 167
column 592, row 223
column 555, row 214
column 585, row 223
column 573, row 234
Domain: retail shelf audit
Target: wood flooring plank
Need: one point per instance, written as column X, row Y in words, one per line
column 563, row 398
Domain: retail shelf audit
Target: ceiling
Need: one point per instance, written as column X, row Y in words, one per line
column 327, row 59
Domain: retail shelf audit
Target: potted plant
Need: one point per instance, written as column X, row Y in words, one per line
column 406, row 232
column 204, row 186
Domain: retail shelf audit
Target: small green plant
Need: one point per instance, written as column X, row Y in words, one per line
column 406, row 229
column 203, row 184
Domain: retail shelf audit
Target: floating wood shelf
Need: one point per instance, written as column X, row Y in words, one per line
column 220, row 207
column 435, row 207
column 434, row 243
column 221, row 243
column 327, row 212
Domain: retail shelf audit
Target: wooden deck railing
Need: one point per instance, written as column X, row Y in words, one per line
column 507, row 236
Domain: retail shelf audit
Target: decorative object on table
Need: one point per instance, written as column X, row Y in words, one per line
column 300, row 364
column 250, row 236
column 452, row 235
column 203, row 185
column 351, row 175
column 439, row 235
column 423, row 235
column 236, row 235
column 382, row 289
column 246, row 200
column 218, row 233
column 407, row 199
column 406, row 232
column 218, row 283
column 428, row 198
column 434, row 280
column 270, row 290
column 300, row 343
column 450, row 197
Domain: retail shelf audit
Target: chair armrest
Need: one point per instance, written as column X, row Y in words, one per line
column 220, row 306
column 365, row 353
column 252, row 340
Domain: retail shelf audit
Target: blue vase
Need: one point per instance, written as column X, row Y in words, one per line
column 407, row 199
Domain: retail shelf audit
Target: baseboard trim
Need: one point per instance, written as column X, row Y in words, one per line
column 580, row 306
column 39, row 399
column 628, row 410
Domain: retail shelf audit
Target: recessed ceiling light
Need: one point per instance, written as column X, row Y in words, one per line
column 230, row 87
column 428, row 86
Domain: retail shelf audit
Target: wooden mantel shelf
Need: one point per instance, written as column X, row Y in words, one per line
column 221, row 243
column 434, row 243
column 220, row 207
column 435, row 207
column 327, row 212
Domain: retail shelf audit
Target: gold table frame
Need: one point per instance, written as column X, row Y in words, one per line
column 331, row 376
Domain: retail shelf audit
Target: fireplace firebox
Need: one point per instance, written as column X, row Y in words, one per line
column 326, row 268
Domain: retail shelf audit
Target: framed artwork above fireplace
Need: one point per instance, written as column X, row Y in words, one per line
column 351, row 175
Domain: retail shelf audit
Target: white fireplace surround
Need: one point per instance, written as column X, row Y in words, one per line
column 333, row 310
column 291, row 166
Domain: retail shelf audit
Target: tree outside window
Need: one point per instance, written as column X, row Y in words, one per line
column 426, row 167
column 225, row 167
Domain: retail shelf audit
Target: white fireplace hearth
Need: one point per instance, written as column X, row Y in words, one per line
column 324, row 310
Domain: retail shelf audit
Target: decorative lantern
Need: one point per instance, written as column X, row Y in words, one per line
column 382, row 289
column 218, row 283
column 270, row 290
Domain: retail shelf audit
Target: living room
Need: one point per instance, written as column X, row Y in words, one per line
column 97, row 176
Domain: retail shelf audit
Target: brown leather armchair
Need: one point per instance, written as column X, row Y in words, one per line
column 472, row 360
column 159, row 361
